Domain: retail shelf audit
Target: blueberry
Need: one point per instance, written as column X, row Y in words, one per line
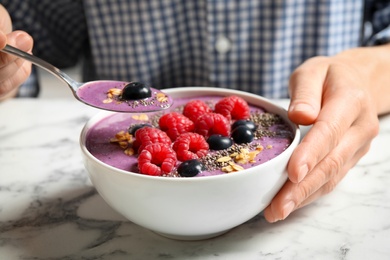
column 249, row 124
column 219, row 142
column 136, row 90
column 242, row 134
column 190, row 168
column 133, row 128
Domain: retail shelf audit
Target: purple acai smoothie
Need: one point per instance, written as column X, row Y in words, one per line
column 272, row 136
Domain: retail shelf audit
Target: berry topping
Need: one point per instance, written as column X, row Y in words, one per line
column 219, row 142
column 249, row 124
column 242, row 134
column 136, row 90
column 133, row 128
column 156, row 159
column 190, row 146
column 190, row 168
column 194, row 109
column 233, row 107
column 175, row 124
column 148, row 135
column 212, row 123
column 193, row 137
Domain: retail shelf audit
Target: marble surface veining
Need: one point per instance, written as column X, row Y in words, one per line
column 50, row 210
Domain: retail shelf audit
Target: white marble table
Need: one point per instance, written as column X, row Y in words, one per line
column 49, row 209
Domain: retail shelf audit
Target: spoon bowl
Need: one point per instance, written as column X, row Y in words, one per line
column 102, row 94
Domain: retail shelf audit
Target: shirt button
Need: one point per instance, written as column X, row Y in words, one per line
column 223, row 44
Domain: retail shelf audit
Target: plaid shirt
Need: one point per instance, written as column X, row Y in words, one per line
column 249, row 45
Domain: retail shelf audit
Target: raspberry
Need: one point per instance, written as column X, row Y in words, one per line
column 149, row 135
column 212, row 123
column 233, row 107
column 175, row 124
column 190, row 146
column 194, row 109
column 156, row 159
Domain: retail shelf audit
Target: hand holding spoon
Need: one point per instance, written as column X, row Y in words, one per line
column 130, row 97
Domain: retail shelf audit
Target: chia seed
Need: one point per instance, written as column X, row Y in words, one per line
column 210, row 160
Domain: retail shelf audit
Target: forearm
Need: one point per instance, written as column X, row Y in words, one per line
column 374, row 64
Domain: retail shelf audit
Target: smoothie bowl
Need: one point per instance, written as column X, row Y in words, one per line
column 194, row 180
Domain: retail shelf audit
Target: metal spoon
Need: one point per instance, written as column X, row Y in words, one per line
column 103, row 94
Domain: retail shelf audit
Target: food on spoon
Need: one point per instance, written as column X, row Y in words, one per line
column 149, row 149
column 109, row 95
column 135, row 91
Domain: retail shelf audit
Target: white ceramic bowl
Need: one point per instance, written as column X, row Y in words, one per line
column 191, row 208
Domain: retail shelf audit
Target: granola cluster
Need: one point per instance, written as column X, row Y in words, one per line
column 230, row 160
column 112, row 94
column 125, row 141
column 242, row 157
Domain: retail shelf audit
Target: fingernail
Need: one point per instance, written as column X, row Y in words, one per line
column 288, row 208
column 302, row 172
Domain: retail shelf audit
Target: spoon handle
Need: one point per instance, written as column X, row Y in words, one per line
column 44, row 65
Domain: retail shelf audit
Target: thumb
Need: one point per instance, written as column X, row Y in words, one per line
column 306, row 88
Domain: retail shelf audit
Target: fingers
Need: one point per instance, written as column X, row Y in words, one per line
column 5, row 26
column 332, row 183
column 322, row 179
column 14, row 71
column 334, row 120
column 323, row 137
column 18, row 39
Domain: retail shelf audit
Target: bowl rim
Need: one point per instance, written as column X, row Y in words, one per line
column 208, row 90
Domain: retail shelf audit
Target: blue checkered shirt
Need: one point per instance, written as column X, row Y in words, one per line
column 249, row 45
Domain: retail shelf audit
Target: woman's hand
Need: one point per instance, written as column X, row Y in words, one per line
column 341, row 98
column 13, row 71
